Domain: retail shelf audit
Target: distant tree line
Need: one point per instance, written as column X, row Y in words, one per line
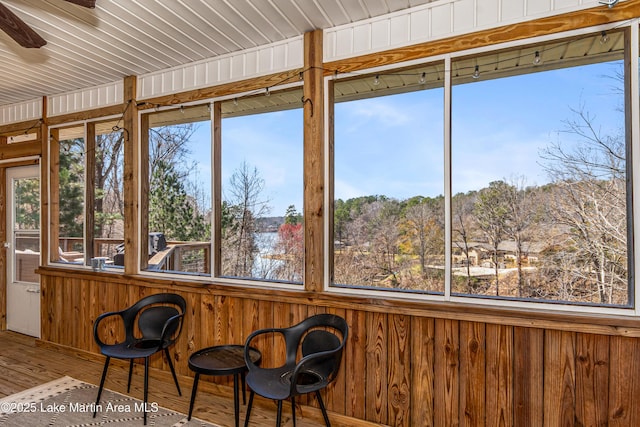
column 567, row 240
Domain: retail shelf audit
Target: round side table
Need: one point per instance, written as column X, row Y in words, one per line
column 222, row 360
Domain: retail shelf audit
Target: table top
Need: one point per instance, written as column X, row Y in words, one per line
column 222, row 359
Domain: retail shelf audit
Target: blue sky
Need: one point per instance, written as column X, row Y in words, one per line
column 393, row 145
column 500, row 127
column 390, row 146
column 272, row 143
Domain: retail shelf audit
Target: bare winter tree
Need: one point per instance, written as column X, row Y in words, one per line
column 424, row 227
column 169, row 144
column 492, row 214
column 244, row 204
column 590, row 205
column 520, row 202
column 383, row 239
column 109, row 200
column 463, row 227
column 372, row 234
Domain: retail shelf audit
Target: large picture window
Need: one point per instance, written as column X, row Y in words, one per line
column 228, row 206
column 388, row 229
column 107, row 199
column 538, row 203
column 88, row 196
column 261, row 234
column 179, row 198
column 68, row 195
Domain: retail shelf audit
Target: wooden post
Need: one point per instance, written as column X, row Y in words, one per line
column 53, row 163
column 329, row 208
column 45, row 220
column 3, row 250
column 90, row 192
column 132, row 247
column 144, row 189
column 313, row 105
column 45, row 178
column 217, row 189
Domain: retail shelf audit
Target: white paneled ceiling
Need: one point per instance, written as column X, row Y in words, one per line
column 91, row 47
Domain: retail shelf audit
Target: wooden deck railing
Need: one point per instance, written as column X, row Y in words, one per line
column 192, row 257
column 185, row 257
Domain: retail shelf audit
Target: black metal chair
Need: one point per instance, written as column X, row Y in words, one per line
column 321, row 339
column 159, row 321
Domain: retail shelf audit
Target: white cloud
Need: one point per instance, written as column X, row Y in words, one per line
column 382, row 112
column 346, row 190
column 498, row 156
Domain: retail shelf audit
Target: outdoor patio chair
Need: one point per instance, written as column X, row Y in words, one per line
column 321, row 339
column 159, row 321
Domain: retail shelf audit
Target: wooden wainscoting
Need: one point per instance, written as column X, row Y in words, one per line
column 403, row 366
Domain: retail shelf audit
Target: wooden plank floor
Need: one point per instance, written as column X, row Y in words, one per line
column 25, row 364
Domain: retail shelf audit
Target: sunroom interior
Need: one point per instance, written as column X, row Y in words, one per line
column 455, row 178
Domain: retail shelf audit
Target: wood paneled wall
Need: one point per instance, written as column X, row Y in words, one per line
column 398, row 369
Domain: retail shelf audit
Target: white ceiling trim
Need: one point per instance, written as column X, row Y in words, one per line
column 86, row 99
column 21, row 112
column 249, row 63
column 437, row 20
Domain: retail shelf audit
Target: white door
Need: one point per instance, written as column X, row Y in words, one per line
column 23, row 249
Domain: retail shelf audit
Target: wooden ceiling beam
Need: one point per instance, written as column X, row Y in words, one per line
column 18, row 30
column 84, row 3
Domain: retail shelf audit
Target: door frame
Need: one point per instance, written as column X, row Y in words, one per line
column 4, row 166
column 25, row 314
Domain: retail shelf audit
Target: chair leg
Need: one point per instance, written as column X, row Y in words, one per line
column 246, row 418
column 293, row 410
column 146, row 388
column 193, row 394
column 104, row 376
column 324, row 410
column 173, row 372
column 130, row 373
column 279, row 416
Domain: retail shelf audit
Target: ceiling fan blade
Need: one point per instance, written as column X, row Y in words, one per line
column 18, row 30
column 85, row 3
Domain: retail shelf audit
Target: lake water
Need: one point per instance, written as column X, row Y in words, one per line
column 264, row 266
